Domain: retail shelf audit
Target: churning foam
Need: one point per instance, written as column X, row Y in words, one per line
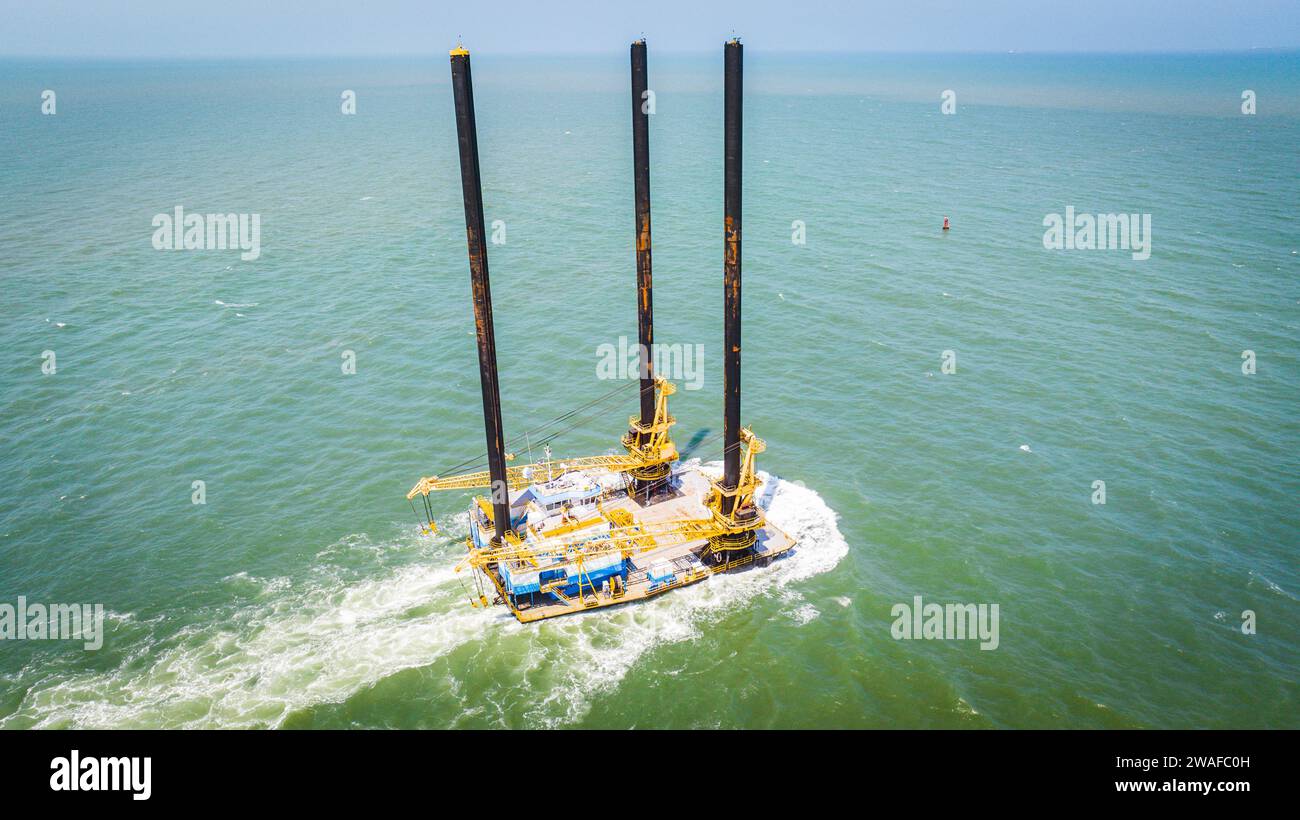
column 290, row 645
column 287, row 648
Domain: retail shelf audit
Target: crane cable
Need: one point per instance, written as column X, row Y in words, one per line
column 528, row 434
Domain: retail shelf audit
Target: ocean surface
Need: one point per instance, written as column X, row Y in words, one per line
column 301, row 594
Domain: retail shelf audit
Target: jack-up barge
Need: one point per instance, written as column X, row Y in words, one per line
column 557, row 537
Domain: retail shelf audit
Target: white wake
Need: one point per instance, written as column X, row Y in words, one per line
column 320, row 641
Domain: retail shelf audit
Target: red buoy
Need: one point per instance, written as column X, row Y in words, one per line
column 945, row 223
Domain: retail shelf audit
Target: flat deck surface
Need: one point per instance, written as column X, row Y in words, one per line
column 688, row 569
column 680, row 551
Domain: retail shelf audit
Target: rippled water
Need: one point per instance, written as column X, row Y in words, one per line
column 300, row 594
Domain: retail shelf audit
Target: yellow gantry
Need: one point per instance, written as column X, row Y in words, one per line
column 573, row 540
column 629, row 539
column 652, row 443
column 746, row 485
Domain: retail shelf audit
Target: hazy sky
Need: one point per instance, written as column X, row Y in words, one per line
column 124, row 28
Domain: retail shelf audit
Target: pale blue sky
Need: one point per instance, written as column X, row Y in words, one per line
column 249, row 28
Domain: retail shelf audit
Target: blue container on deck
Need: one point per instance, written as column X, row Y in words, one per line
column 661, row 573
column 594, row 572
column 520, row 582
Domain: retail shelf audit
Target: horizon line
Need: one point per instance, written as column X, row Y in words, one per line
column 1191, row 52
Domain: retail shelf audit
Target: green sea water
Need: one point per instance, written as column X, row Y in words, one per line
column 301, row 593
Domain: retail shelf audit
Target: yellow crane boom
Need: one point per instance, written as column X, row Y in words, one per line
column 524, row 474
column 657, row 448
